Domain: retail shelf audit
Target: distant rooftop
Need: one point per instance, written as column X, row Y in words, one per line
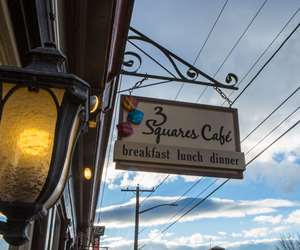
column 217, row 248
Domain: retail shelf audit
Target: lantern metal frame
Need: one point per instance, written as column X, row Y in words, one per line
column 45, row 71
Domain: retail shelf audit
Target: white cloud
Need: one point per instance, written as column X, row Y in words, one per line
column 155, row 234
column 117, row 179
column 195, row 241
column 111, row 239
column 282, row 176
column 273, row 203
column 113, row 175
column 252, row 244
column 236, row 235
column 292, row 157
column 189, row 178
column 280, row 229
column 269, row 219
column 256, row 232
column 294, row 217
column 261, row 232
column 149, row 180
column 117, row 243
column 122, row 215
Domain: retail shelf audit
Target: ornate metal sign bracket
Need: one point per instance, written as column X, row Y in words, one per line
column 183, row 71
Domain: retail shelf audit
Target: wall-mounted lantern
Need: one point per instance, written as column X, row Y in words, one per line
column 42, row 113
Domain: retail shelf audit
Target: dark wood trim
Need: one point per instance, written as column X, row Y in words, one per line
column 8, row 48
column 25, row 25
column 40, row 233
column 122, row 20
column 119, row 30
column 199, row 172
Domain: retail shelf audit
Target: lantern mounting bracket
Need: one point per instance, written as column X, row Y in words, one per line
column 178, row 71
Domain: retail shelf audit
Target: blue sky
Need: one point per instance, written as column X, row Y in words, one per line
column 252, row 213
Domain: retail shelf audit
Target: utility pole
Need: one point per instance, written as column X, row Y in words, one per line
column 137, row 191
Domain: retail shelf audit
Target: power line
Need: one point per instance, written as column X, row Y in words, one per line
column 243, row 78
column 164, row 180
column 161, row 183
column 250, row 160
column 180, row 198
column 264, row 52
column 192, row 201
column 137, row 191
column 151, row 57
column 240, row 38
column 271, row 115
column 196, row 205
column 277, row 139
column 248, row 163
column 276, row 127
column 242, row 92
column 204, row 43
column 266, row 63
column 144, row 86
column 210, row 32
column 224, row 182
column 251, row 68
column 235, row 45
column 189, row 189
column 268, row 116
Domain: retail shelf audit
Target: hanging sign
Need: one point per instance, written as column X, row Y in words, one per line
column 173, row 137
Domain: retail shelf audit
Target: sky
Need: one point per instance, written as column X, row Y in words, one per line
column 253, row 213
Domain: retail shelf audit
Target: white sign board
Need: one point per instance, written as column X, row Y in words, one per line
column 181, row 138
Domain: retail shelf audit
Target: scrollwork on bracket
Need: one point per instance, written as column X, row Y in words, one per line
column 231, row 77
column 134, row 63
column 191, row 73
column 185, row 71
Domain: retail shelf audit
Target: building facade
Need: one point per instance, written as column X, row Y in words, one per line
column 92, row 34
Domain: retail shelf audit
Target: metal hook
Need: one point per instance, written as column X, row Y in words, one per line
column 137, row 84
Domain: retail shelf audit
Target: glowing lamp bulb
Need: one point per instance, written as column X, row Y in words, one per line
column 87, row 173
column 34, row 142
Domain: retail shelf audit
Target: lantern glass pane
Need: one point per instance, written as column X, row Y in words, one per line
column 27, row 131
